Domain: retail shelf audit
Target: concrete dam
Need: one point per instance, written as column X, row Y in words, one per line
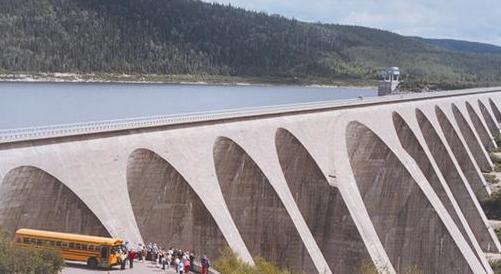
column 315, row 188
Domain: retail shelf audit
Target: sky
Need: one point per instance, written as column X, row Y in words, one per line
column 478, row 20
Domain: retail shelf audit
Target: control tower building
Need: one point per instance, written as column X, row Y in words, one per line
column 389, row 79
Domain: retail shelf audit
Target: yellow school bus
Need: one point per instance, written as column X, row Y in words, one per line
column 95, row 251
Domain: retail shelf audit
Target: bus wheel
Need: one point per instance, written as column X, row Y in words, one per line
column 92, row 263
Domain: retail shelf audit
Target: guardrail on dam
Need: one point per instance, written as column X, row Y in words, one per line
column 321, row 187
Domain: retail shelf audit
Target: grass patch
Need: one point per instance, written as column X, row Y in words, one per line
column 367, row 268
column 496, row 159
column 498, row 233
column 498, row 141
column 414, row 270
column 496, row 266
column 230, row 263
column 492, row 206
column 491, row 178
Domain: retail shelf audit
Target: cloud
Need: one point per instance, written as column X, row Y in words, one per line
column 458, row 19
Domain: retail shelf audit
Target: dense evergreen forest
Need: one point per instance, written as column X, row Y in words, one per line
column 193, row 37
column 465, row 46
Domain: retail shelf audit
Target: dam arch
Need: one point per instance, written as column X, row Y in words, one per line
column 495, row 110
column 408, row 226
column 166, row 208
column 483, row 133
column 491, row 124
column 466, row 200
column 32, row 198
column 260, row 216
column 465, row 162
column 471, row 140
column 322, row 206
column 411, row 144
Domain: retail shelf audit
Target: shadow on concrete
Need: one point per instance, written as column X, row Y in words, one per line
column 258, row 212
column 459, row 151
column 167, row 210
column 32, row 198
column 453, row 177
column 321, row 205
column 406, row 222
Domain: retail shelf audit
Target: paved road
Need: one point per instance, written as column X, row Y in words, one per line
column 139, row 268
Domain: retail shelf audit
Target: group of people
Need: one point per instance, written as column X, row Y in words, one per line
column 183, row 261
column 126, row 255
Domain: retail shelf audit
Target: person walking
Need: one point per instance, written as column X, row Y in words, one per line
column 168, row 258
column 192, row 261
column 145, row 253
column 164, row 258
column 123, row 258
column 139, row 253
column 132, row 256
column 187, row 266
column 149, row 252
column 155, row 252
column 176, row 262
column 160, row 255
column 180, row 267
column 205, row 265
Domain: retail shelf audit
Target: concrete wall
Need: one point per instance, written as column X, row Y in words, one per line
column 411, row 144
column 166, row 208
column 407, row 224
column 462, row 193
column 322, row 206
column 31, row 197
column 392, row 184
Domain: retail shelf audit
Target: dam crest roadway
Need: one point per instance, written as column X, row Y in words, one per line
column 318, row 187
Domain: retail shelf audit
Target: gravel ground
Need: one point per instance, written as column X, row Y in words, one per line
column 139, row 268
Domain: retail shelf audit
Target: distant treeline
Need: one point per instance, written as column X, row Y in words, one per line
column 192, row 37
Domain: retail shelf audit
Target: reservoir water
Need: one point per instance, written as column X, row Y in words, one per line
column 41, row 104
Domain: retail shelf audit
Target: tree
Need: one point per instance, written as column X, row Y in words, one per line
column 17, row 260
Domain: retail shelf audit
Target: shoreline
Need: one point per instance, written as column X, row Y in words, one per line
column 194, row 80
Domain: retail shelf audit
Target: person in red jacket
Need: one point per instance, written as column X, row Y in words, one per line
column 132, row 256
column 187, row 266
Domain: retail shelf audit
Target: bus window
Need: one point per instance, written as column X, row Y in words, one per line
column 104, row 252
column 39, row 242
column 72, row 245
column 26, row 240
column 58, row 244
column 115, row 250
column 52, row 243
column 64, row 244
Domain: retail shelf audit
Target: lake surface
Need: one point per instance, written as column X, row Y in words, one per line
column 41, row 104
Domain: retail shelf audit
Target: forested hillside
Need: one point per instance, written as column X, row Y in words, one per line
column 465, row 46
column 192, row 37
